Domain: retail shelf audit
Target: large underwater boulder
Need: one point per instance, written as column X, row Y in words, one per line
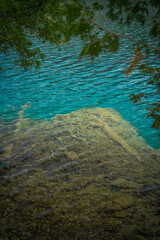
column 83, row 175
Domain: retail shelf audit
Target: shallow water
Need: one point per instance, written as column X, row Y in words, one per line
column 71, row 166
column 84, row 175
column 63, row 84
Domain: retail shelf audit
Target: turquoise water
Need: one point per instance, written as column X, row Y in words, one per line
column 63, row 84
column 84, row 175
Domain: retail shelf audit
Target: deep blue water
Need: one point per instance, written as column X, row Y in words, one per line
column 63, row 84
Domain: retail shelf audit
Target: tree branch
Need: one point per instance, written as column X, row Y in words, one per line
column 115, row 34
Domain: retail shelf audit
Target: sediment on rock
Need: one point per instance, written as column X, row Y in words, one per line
column 80, row 176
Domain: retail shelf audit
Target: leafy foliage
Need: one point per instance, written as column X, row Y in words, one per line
column 97, row 46
column 154, row 111
column 137, row 97
column 50, row 21
column 135, row 60
column 153, row 108
column 126, row 12
column 57, row 21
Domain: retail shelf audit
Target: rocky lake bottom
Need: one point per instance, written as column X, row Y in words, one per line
column 83, row 175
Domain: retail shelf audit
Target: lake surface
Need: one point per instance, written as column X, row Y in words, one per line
column 78, row 160
column 63, row 85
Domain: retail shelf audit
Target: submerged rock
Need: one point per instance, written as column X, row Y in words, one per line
column 80, row 176
column 123, row 200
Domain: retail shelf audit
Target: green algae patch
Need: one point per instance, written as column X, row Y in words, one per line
column 84, row 175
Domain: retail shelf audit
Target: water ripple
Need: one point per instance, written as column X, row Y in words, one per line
column 63, row 84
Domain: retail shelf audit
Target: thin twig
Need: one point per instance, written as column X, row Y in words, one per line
column 119, row 35
column 113, row 33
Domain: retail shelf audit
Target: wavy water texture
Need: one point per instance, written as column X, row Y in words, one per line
column 63, row 85
column 73, row 162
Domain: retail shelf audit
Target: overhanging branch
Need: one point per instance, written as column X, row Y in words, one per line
column 115, row 34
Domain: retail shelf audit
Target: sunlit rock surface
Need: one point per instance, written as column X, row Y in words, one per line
column 84, row 175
